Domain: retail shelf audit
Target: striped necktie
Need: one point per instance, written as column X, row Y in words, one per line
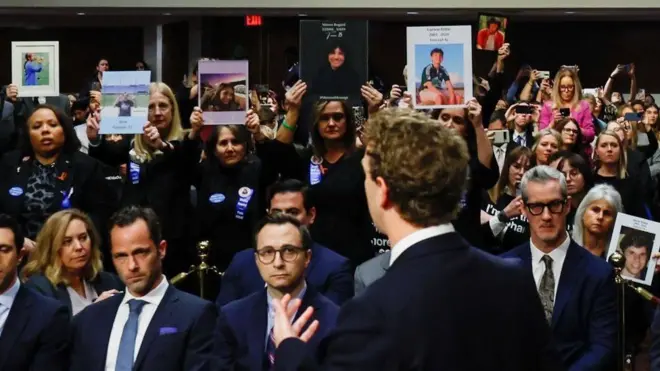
column 270, row 351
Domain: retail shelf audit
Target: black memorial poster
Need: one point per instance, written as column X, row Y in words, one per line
column 334, row 58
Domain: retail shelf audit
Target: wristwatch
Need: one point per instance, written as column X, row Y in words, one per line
column 501, row 216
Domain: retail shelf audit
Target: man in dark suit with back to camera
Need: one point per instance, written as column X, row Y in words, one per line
column 282, row 251
column 442, row 305
column 576, row 288
column 34, row 330
column 152, row 326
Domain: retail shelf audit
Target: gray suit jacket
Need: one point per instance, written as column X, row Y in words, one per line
column 370, row 271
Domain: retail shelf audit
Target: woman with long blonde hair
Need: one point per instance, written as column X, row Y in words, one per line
column 567, row 102
column 66, row 264
column 159, row 163
column 610, row 167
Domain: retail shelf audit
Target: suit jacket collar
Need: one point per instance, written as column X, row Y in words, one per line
column 315, row 258
column 571, row 274
column 18, row 317
column 258, row 322
column 434, row 245
column 163, row 314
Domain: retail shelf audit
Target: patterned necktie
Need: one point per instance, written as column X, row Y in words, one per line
column 547, row 288
column 125, row 356
column 270, row 351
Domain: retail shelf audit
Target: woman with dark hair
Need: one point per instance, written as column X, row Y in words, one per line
column 483, row 171
column 332, row 167
column 220, row 98
column 579, row 178
column 571, row 136
column 49, row 173
column 337, row 79
column 231, row 183
column 141, row 65
column 506, row 227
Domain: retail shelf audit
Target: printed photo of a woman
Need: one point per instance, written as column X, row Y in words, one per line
column 336, row 77
column 220, row 98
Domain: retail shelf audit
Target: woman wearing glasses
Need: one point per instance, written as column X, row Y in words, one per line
column 567, row 102
column 610, row 163
column 571, row 136
column 506, row 227
column 483, row 169
column 332, row 168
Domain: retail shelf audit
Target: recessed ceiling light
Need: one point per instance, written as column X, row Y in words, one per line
column 412, row 13
column 302, row 15
column 80, row 13
column 569, row 12
column 167, row 13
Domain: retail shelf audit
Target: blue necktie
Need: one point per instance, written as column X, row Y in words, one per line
column 270, row 352
column 127, row 343
column 519, row 141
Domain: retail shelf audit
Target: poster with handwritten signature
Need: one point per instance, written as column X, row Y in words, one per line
column 334, row 58
column 439, row 65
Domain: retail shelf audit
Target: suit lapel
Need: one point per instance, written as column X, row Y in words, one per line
column 103, row 323
column 256, row 334
column 568, row 279
column 313, row 261
column 162, row 316
column 63, row 296
column 18, row 317
column 21, row 181
column 385, row 261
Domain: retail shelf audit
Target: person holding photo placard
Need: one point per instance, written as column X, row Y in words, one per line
column 159, row 165
column 331, row 167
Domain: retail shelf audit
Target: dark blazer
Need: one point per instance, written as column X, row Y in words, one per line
column 36, row 334
column 443, row 305
column 584, row 319
column 103, row 282
column 92, row 194
column 187, row 348
column 8, row 130
column 218, row 190
column 328, row 273
column 163, row 185
column 654, row 351
column 240, row 337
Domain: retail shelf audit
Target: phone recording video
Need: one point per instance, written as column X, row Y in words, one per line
column 524, row 110
column 262, row 93
column 633, row 116
column 544, row 74
column 500, row 137
column 565, row 112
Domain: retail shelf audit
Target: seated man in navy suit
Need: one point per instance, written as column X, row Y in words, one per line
column 576, row 288
column 152, row 326
column 282, row 251
column 328, row 272
column 34, row 330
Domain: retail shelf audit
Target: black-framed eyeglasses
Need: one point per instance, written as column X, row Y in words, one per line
column 336, row 117
column 288, row 253
column 570, row 131
column 555, row 207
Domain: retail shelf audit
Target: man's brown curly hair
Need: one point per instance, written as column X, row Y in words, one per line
column 424, row 164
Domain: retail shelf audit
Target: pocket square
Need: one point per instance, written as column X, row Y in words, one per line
column 168, row 330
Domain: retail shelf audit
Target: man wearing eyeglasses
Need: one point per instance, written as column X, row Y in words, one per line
column 576, row 288
column 244, row 328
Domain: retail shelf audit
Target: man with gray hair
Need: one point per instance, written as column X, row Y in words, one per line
column 576, row 288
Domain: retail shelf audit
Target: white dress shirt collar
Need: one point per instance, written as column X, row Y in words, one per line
column 7, row 298
column 558, row 254
column 154, row 296
column 418, row 236
column 522, row 136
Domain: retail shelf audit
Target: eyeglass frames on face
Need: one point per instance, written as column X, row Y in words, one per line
column 555, row 207
column 570, row 131
column 288, row 253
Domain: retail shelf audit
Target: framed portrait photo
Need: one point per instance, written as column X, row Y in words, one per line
column 35, row 68
column 637, row 240
column 492, row 32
